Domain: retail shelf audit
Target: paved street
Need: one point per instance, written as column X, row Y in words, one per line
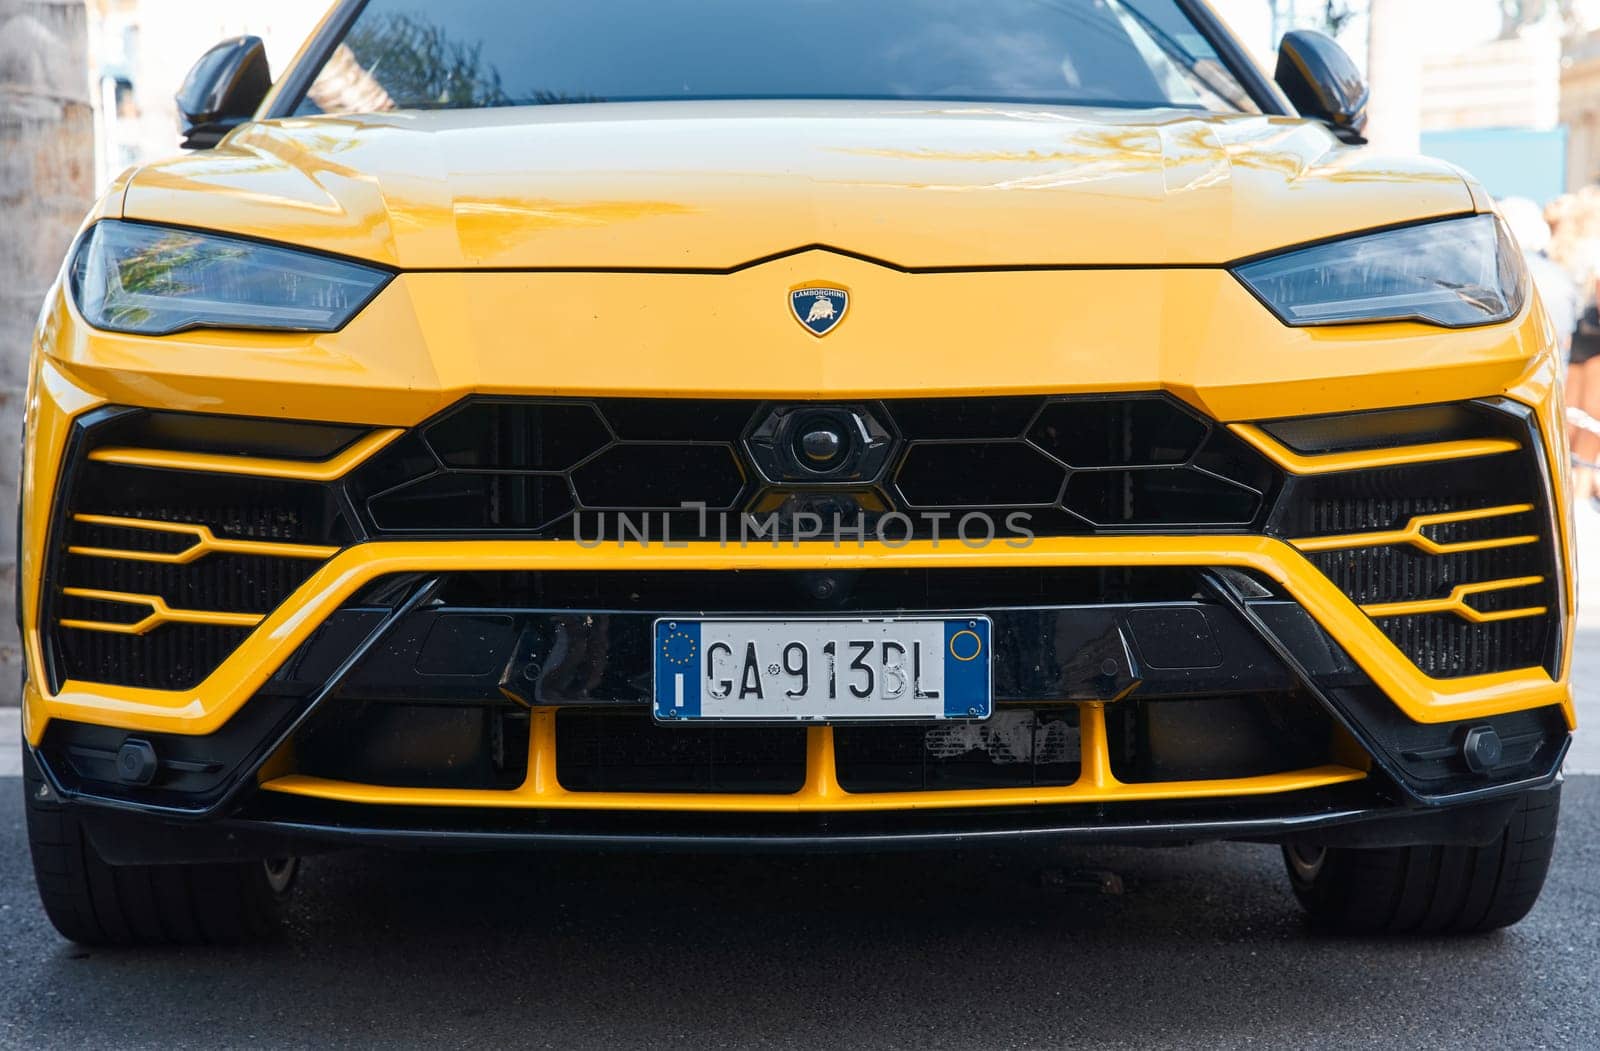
column 1198, row 947
column 1203, row 947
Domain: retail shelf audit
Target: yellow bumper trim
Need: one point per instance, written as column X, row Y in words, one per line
column 205, row 708
column 1456, row 602
column 821, row 791
column 1412, row 534
column 1366, row 459
column 160, row 613
column 205, row 543
column 253, row 466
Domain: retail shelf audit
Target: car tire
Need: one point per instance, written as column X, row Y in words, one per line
column 1430, row 889
column 93, row 902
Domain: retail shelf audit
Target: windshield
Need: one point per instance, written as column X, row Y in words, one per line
column 465, row 54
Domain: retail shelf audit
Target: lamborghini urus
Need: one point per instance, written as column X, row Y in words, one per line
column 805, row 426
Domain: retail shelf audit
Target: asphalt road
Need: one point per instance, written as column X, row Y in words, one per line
column 1200, row 946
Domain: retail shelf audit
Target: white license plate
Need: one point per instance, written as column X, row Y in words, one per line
column 818, row 670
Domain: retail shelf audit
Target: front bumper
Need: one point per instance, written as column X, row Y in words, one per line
column 1382, row 777
column 1286, row 628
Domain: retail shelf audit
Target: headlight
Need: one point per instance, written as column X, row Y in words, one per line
column 155, row 280
column 1454, row 273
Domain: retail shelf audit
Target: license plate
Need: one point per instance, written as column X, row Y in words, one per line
column 822, row 670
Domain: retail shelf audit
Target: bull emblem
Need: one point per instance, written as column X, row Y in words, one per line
column 819, row 309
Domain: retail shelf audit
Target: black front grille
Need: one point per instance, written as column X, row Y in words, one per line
column 529, row 467
column 556, row 468
column 561, row 468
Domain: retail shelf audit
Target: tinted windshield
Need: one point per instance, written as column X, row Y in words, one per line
column 414, row 54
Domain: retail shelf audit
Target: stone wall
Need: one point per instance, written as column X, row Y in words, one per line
column 46, row 185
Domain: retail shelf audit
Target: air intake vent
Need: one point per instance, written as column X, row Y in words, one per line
column 159, row 572
column 1453, row 555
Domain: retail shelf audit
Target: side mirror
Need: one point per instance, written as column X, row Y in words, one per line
column 1323, row 82
column 222, row 91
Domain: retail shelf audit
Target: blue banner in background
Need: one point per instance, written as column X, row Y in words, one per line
column 1510, row 162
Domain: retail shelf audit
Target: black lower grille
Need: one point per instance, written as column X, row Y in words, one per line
column 1223, row 737
column 625, row 751
column 1015, row 748
column 420, row 745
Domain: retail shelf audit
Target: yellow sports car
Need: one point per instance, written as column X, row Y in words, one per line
column 804, row 426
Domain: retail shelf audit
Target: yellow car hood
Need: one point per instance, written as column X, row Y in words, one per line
column 716, row 185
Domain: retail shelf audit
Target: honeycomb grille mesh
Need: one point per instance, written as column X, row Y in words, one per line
column 1077, row 465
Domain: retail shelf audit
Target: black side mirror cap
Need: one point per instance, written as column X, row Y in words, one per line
column 1323, row 82
column 222, row 91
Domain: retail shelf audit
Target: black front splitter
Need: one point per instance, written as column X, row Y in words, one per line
column 1345, row 815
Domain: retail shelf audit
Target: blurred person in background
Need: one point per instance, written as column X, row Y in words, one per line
column 1583, row 393
column 1556, row 286
column 1575, row 245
